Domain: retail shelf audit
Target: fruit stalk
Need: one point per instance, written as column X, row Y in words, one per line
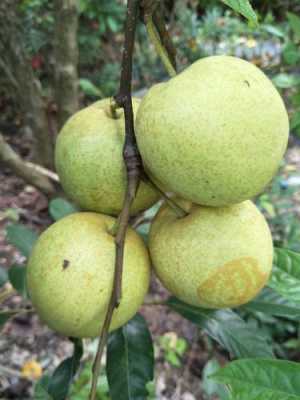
column 159, row 36
column 133, row 165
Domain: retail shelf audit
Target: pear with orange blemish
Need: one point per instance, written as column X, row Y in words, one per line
column 214, row 257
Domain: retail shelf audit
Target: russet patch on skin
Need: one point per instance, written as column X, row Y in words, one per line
column 235, row 283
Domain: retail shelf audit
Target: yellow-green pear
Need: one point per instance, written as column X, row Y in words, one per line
column 216, row 133
column 89, row 161
column 214, row 257
column 70, row 274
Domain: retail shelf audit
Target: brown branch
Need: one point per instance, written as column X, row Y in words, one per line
column 133, row 165
column 66, row 59
column 26, row 88
column 33, row 174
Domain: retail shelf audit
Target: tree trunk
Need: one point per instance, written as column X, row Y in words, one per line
column 66, row 59
column 16, row 66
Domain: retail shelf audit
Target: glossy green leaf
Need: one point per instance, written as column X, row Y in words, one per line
column 59, row 384
column 130, row 360
column 272, row 303
column 59, row 208
column 227, row 328
column 294, row 21
column 21, row 237
column 261, row 379
column 242, row 7
column 3, row 276
column 209, row 386
column 285, row 278
column 17, row 277
column 89, row 88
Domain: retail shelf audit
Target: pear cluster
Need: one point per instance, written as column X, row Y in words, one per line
column 213, row 136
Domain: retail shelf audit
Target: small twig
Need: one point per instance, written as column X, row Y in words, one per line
column 160, row 49
column 133, row 165
column 164, row 35
column 180, row 212
column 159, row 34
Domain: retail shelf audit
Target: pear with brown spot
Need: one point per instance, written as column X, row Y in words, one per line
column 70, row 274
column 89, row 160
column 214, row 257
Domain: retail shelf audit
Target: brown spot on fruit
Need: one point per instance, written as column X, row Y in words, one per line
column 233, row 284
column 66, row 263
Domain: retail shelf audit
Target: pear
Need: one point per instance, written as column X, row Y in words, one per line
column 214, row 257
column 89, row 161
column 215, row 134
column 70, row 275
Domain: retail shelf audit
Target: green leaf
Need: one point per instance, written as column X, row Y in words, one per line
column 261, row 379
column 40, row 389
column 21, row 237
column 291, row 53
column 294, row 22
column 130, row 360
column 285, row 278
column 209, row 386
column 244, row 8
column 286, row 81
column 17, row 277
column 59, row 208
column 273, row 30
column 295, row 120
column 272, row 303
column 89, row 88
column 3, row 276
column 172, row 358
column 227, row 328
column 61, row 380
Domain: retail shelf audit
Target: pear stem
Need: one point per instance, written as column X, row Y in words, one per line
column 160, row 49
column 179, row 211
column 134, row 168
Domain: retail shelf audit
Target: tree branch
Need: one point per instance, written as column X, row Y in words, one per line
column 133, row 165
column 28, row 93
column 66, row 59
column 31, row 173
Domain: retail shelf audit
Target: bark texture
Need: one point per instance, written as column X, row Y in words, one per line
column 66, row 59
column 15, row 65
column 31, row 173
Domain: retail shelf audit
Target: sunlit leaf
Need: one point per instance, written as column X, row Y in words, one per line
column 242, row 7
column 260, row 379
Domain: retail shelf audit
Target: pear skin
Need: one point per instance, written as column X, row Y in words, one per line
column 216, row 133
column 89, row 160
column 214, row 257
column 70, row 275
